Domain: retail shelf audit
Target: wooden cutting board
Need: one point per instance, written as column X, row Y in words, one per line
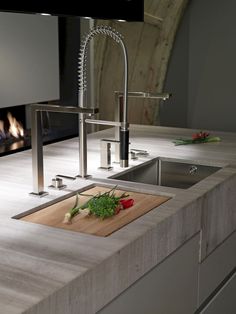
column 53, row 215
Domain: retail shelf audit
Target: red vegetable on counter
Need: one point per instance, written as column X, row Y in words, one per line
column 127, row 203
column 200, row 135
column 123, row 204
column 197, row 138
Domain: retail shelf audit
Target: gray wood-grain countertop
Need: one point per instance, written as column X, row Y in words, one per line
column 46, row 270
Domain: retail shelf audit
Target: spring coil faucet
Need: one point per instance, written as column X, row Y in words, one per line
column 124, row 131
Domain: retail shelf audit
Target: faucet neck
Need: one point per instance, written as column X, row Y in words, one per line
column 116, row 36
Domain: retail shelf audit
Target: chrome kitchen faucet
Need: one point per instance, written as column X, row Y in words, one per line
column 37, row 140
column 123, row 124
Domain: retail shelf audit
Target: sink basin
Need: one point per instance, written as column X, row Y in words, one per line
column 167, row 172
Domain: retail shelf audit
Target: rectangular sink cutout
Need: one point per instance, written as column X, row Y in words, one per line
column 167, row 172
column 53, row 215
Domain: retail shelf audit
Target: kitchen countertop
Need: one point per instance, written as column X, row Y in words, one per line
column 51, row 270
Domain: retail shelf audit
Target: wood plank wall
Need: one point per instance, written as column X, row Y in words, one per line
column 149, row 45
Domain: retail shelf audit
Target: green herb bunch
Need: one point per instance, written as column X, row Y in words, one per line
column 101, row 205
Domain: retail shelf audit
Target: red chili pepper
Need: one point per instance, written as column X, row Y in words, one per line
column 127, row 203
column 201, row 135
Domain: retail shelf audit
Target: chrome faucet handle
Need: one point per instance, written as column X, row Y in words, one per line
column 57, row 184
column 105, row 156
column 104, row 122
column 65, row 177
column 138, row 152
column 133, row 155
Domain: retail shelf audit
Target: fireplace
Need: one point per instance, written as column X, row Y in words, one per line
column 54, row 78
column 13, row 135
column 15, row 128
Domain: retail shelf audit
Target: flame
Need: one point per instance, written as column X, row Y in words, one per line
column 15, row 128
column 2, row 132
column 1, row 126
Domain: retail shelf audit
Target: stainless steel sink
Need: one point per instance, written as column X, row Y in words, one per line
column 167, row 172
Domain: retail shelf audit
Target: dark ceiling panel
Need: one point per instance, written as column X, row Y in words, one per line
column 130, row 10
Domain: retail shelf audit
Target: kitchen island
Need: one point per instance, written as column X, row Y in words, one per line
column 51, row 270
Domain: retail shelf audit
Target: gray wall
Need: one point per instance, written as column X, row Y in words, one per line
column 211, row 68
column 29, row 61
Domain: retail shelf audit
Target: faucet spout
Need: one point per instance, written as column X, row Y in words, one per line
column 147, row 95
column 124, row 130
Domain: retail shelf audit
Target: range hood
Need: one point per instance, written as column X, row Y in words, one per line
column 129, row 10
